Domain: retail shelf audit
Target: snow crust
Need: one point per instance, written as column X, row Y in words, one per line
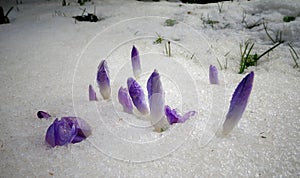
column 47, row 62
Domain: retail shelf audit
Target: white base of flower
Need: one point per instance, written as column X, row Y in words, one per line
column 143, row 110
column 160, row 125
column 228, row 125
column 105, row 92
column 137, row 73
column 157, row 106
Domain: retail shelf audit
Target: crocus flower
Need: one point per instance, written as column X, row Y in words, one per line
column 238, row 103
column 173, row 117
column 137, row 95
column 92, row 94
column 67, row 130
column 213, row 75
column 60, row 133
column 135, row 61
column 103, row 80
column 156, row 96
column 125, row 100
column 83, row 128
column 43, row 115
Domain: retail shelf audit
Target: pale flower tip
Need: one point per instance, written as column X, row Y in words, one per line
column 135, row 61
column 92, row 94
column 213, row 75
column 137, row 95
column 125, row 100
column 238, row 103
column 103, row 80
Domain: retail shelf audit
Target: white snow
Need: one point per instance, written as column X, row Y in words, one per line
column 47, row 62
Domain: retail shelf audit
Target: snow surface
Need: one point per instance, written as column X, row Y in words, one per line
column 47, row 62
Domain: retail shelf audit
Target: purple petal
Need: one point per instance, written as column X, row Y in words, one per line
column 238, row 103
column 155, row 96
column 50, row 138
column 186, row 116
column 125, row 100
column 83, row 128
column 135, row 61
column 173, row 117
column 67, row 130
column 92, row 94
column 213, row 75
column 103, row 80
column 137, row 95
column 154, row 84
column 43, row 115
column 60, row 133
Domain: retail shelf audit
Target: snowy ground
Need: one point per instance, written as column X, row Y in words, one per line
column 47, row 62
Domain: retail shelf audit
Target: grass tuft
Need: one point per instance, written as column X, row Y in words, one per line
column 288, row 18
column 278, row 34
column 208, row 21
column 220, row 6
column 170, row 22
column 159, row 39
column 4, row 18
column 294, row 55
column 248, row 59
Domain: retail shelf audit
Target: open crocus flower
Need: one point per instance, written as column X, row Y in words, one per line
column 67, row 130
column 92, row 94
column 173, row 117
column 135, row 61
column 125, row 100
column 83, row 128
column 137, row 95
column 103, row 80
column 213, row 75
column 156, row 97
column 238, row 103
column 43, row 115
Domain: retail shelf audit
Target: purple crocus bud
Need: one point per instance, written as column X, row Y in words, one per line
column 135, row 61
column 137, row 95
column 156, row 96
column 103, row 80
column 92, row 94
column 125, row 100
column 43, row 115
column 213, row 75
column 238, row 103
column 60, row 133
column 173, row 117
